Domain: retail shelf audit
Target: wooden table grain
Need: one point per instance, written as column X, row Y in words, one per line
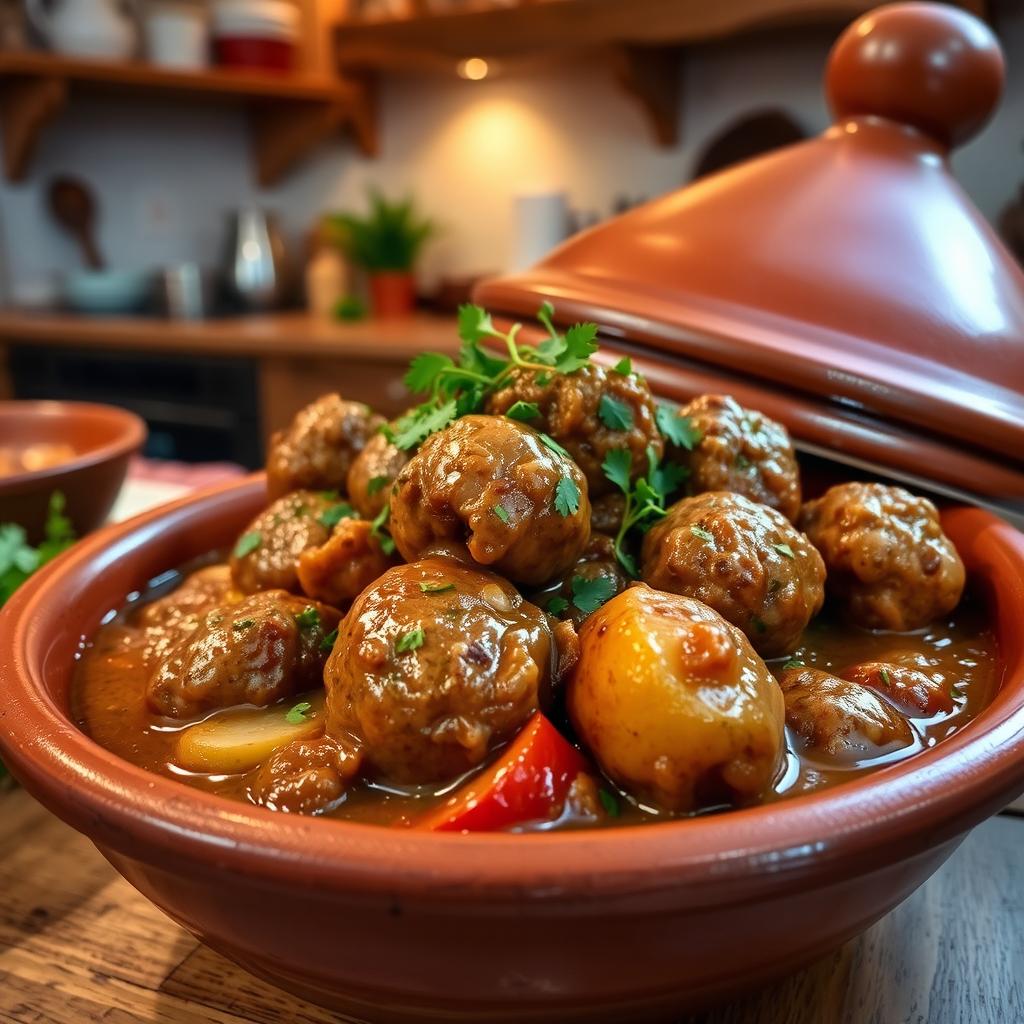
column 78, row 946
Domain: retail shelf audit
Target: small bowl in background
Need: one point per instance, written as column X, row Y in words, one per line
column 103, row 438
column 108, row 291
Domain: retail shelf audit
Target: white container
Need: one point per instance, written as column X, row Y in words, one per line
column 540, row 222
column 177, row 35
column 102, row 29
column 256, row 19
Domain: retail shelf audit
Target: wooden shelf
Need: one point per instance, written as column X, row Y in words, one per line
column 638, row 40
column 290, row 114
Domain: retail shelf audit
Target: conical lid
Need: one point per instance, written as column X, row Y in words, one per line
column 850, row 271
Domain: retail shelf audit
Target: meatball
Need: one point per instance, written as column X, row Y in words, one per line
column 434, row 666
column 740, row 450
column 317, row 449
column 254, row 652
column 607, row 512
column 840, row 719
column 590, row 413
column 909, row 689
column 674, row 704
column 890, row 566
column 266, row 556
column 743, row 559
column 347, row 564
column 305, row 776
column 373, row 472
column 595, row 578
column 197, row 593
column 490, row 482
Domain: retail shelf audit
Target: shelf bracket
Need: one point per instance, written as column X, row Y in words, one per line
column 27, row 105
column 651, row 76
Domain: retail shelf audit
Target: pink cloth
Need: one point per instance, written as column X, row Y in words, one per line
column 186, row 474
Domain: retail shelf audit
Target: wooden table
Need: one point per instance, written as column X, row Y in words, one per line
column 79, row 945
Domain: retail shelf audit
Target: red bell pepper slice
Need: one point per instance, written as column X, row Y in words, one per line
column 529, row 782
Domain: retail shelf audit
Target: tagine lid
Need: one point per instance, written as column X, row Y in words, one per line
column 850, row 269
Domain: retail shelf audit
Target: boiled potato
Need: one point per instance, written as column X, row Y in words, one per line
column 674, row 704
column 239, row 739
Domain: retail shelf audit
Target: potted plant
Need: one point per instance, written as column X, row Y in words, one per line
column 385, row 243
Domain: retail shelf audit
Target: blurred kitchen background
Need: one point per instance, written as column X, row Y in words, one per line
column 213, row 212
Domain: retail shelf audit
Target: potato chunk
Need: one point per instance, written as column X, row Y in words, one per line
column 674, row 704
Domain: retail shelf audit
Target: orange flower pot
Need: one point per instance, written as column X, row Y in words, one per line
column 392, row 294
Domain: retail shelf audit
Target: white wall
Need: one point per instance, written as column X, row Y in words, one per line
column 165, row 175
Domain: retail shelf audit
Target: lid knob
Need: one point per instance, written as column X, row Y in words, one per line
column 927, row 65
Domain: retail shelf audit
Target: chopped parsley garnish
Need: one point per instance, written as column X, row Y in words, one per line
column 327, row 644
column 556, row 605
column 615, row 415
column 436, row 588
column 589, row 595
column 678, row 429
column 308, row 618
column 248, row 543
column 376, row 485
column 299, row 713
column 742, row 462
column 567, row 496
column 624, row 367
column 523, row 411
column 330, row 495
column 410, row 641
column 552, row 445
column 330, row 517
column 883, row 674
column 793, row 663
column 378, row 530
column 243, row 624
column 701, row 534
column 502, row 513
column 608, row 802
column 784, row 549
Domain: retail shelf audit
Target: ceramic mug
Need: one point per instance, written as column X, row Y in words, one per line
column 177, row 35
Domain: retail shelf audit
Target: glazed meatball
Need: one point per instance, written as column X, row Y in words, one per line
column 197, row 593
column 589, row 412
column 740, row 450
column 674, row 704
column 305, row 776
column 266, row 556
column 840, row 719
column 594, row 579
column 434, row 666
column 890, row 566
column 910, row 690
column 743, row 559
column 606, row 513
column 347, row 564
column 255, row 652
column 493, row 484
column 317, row 449
column 373, row 472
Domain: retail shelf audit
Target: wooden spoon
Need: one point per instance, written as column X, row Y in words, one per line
column 74, row 208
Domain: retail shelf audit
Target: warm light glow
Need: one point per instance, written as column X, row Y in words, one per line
column 474, row 69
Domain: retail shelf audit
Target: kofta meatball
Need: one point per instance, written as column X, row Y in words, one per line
column 255, row 652
column 492, row 483
column 841, row 720
column 737, row 449
column 743, row 559
column 197, row 593
column 434, row 666
column 890, row 566
column 910, row 690
column 306, row 776
column 346, row 565
column 589, row 413
column 373, row 472
column 595, row 578
column 317, row 449
column 266, row 556
column 674, row 704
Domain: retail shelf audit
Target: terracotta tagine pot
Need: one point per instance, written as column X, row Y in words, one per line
column 786, row 281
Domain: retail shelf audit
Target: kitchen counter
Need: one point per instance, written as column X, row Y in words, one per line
column 79, row 945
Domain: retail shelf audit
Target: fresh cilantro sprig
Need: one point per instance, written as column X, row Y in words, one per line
column 646, row 496
column 677, row 429
column 19, row 559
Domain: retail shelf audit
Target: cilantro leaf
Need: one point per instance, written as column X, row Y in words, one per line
column 523, row 411
column 702, row 534
column 330, row 517
column 248, row 543
column 609, row 803
column 666, row 478
column 883, row 674
column 556, row 605
column 589, row 595
column 308, row 618
column 793, row 663
column 614, row 414
column 567, row 497
column 379, row 532
column 436, row 588
column 624, row 367
column 410, row 641
column 243, row 624
column 328, row 642
column 552, row 445
column 475, row 323
column 784, row 549
column 678, row 429
column 580, row 345
column 618, row 466
column 298, row 714
column 418, row 425
column 376, row 485
column 425, row 369
column 502, row 513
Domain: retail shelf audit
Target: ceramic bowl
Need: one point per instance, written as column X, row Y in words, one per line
column 626, row 924
column 103, row 437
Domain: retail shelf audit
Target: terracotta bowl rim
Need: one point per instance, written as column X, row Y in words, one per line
column 130, row 438
column 891, row 815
